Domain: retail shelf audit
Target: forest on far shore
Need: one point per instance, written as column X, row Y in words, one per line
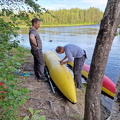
column 74, row 16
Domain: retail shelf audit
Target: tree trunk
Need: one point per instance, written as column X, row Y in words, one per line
column 115, row 113
column 104, row 41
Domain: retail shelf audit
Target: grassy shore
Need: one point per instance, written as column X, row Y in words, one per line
column 59, row 25
column 21, row 50
column 62, row 25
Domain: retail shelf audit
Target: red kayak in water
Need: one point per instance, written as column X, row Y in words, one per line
column 108, row 86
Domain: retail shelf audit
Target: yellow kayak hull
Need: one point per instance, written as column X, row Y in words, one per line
column 61, row 76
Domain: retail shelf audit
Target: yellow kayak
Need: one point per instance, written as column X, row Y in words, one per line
column 61, row 76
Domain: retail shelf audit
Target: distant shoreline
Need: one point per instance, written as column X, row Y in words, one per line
column 65, row 25
column 60, row 25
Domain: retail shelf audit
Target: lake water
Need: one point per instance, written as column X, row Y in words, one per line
column 83, row 36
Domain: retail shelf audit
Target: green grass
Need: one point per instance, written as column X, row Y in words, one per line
column 22, row 49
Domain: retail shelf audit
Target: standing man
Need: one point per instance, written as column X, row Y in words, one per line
column 36, row 50
column 79, row 55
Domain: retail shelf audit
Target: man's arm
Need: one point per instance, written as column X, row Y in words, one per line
column 33, row 40
column 70, row 59
column 61, row 62
column 64, row 58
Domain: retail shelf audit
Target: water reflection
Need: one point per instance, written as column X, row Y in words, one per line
column 69, row 31
column 73, row 31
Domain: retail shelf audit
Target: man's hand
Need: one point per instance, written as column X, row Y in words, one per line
column 61, row 62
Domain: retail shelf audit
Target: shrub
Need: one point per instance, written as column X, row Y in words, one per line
column 12, row 94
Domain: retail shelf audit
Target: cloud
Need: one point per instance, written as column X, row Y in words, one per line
column 94, row 2
column 62, row 1
column 83, row 4
column 101, row 4
column 54, row 7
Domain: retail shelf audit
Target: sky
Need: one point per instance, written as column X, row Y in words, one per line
column 67, row 4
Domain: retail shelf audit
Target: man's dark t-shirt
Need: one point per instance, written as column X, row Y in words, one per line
column 38, row 40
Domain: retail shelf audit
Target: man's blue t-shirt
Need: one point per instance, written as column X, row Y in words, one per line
column 73, row 51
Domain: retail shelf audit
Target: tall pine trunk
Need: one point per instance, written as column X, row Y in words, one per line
column 105, row 37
